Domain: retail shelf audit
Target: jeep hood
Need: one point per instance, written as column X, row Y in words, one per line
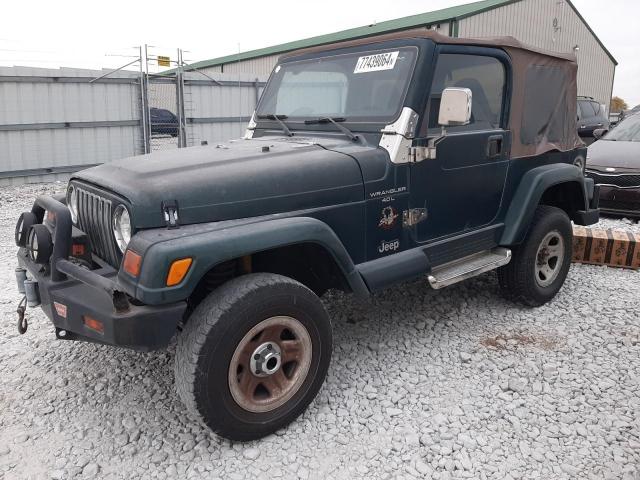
column 242, row 178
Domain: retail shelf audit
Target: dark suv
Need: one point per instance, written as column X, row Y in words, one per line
column 591, row 116
column 366, row 164
column 163, row 122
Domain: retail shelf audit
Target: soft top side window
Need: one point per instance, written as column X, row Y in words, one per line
column 545, row 105
column 484, row 76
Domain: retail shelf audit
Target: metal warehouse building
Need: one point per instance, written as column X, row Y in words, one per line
column 551, row 24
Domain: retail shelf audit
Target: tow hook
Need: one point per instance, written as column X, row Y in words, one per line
column 22, row 321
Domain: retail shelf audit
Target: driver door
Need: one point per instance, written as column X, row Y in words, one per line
column 461, row 189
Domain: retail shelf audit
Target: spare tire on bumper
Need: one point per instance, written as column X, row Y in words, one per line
column 253, row 355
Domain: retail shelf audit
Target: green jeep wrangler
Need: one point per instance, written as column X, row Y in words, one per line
column 365, row 164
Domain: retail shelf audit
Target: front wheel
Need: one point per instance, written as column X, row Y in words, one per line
column 540, row 264
column 253, row 355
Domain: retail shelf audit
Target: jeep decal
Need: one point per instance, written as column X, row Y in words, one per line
column 390, row 246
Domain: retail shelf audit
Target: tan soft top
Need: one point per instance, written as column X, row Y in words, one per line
column 544, row 90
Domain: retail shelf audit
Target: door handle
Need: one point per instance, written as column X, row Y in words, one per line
column 494, row 146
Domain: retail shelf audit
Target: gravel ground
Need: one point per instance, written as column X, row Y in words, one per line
column 423, row 384
column 623, row 223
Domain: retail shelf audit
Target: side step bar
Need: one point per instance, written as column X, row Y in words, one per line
column 468, row 267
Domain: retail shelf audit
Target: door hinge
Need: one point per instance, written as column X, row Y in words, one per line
column 426, row 152
column 170, row 212
column 413, row 216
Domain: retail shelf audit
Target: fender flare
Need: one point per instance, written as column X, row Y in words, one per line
column 529, row 192
column 210, row 244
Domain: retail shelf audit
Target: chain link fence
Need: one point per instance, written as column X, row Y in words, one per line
column 162, row 113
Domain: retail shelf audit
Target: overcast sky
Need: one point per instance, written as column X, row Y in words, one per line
column 93, row 34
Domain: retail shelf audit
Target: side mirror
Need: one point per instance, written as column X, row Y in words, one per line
column 598, row 133
column 455, row 107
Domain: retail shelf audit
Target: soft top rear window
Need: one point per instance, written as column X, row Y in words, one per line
column 545, row 108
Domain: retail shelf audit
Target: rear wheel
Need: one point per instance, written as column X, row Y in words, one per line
column 253, row 355
column 541, row 263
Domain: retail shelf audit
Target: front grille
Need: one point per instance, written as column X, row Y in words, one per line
column 620, row 180
column 94, row 219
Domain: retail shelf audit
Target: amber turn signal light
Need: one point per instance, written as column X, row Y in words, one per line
column 93, row 324
column 178, row 271
column 131, row 263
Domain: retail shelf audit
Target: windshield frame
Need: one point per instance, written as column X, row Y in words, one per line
column 298, row 122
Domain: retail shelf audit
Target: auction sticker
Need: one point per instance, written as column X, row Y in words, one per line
column 377, row 62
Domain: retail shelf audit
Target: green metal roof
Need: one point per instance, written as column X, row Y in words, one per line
column 404, row 23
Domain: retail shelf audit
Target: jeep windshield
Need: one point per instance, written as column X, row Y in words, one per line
column 355, row 87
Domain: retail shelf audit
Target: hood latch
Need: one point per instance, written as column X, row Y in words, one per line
column 170, row 212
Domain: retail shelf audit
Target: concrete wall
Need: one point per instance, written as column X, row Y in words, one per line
column 532, row 21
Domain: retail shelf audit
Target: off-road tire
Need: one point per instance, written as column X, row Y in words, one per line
column 216, row 327
column 517, row 279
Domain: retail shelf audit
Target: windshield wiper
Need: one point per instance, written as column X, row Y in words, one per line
column 352, row 136
column 278, row 118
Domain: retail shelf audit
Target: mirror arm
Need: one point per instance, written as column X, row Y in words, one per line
column 455, row 109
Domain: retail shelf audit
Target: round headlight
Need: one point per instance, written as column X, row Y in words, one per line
column 72, row 203
column 122, row 227
column 39, row 244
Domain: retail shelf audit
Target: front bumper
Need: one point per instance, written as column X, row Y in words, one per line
column 69, row 294
column 591, row 214
column 620, row 201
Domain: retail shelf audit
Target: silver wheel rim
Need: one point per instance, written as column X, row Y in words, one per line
column 270, row 364
column 549, row 258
